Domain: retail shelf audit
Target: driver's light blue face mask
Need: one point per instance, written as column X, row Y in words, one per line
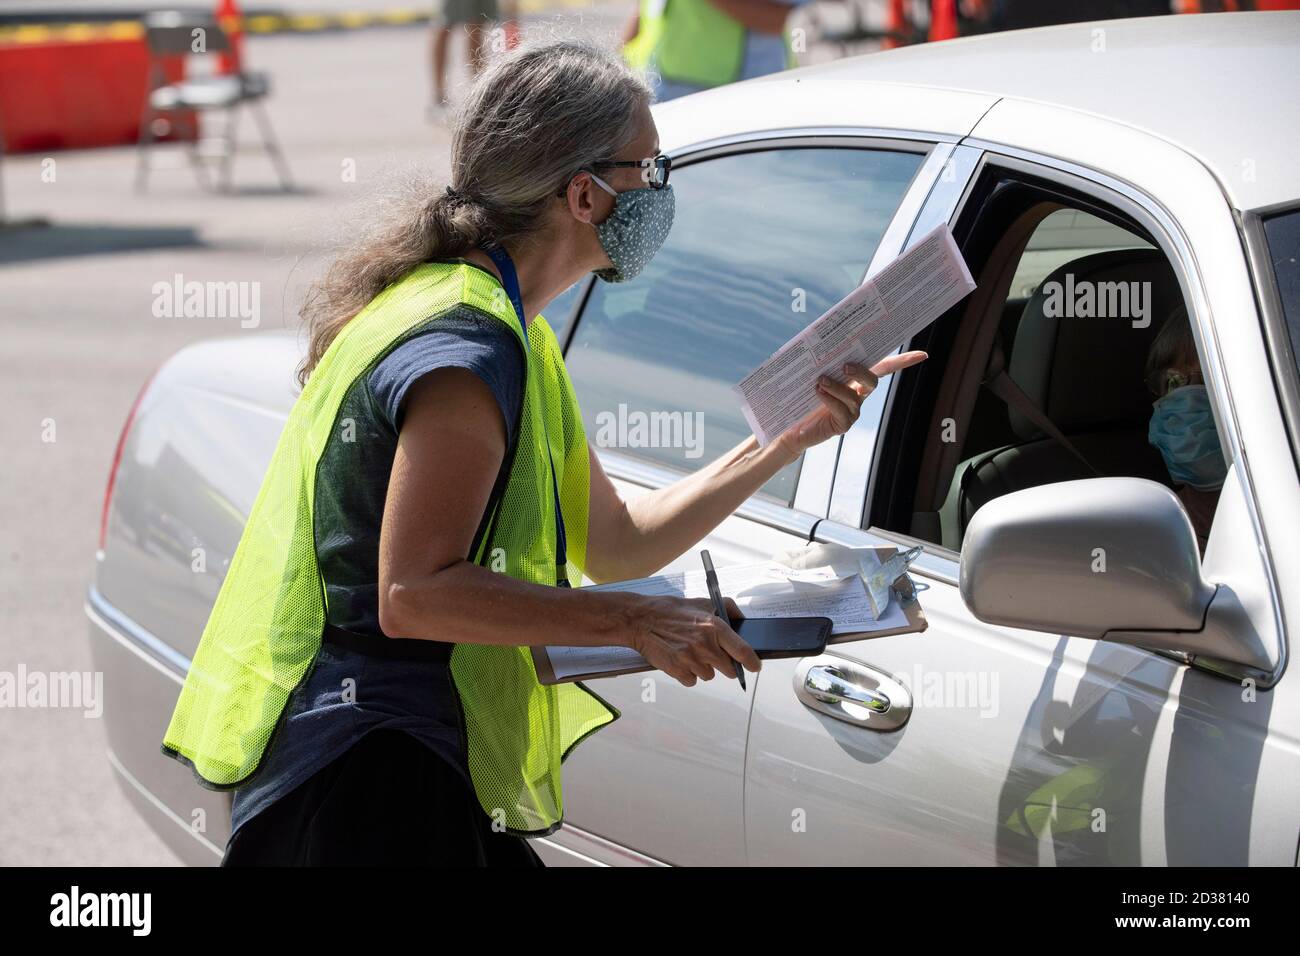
column 1182, row 428
column 634, row 230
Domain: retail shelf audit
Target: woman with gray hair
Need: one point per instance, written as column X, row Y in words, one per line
column 365, row 682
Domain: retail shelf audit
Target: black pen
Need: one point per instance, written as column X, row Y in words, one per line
column 719, row 608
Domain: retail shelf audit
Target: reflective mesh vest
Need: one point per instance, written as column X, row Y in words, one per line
column 266, row 625
column 689, row 41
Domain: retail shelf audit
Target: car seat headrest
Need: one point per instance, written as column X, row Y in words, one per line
column 1081, row 346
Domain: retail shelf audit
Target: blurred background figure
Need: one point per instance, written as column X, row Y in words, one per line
column 691, row 45
column 477, row 17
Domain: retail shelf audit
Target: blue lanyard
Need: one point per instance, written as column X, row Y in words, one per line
column 510, row 279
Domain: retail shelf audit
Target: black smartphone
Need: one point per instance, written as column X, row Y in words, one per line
column 784, row 636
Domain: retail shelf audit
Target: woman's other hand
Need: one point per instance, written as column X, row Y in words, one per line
column 687, row 641
column 842, row 401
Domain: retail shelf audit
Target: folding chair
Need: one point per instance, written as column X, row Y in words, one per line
column 169, row 34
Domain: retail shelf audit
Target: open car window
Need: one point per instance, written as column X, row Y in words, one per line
column 1061, row 379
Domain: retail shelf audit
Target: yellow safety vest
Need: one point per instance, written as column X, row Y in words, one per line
column 266, row 626
column 690, row 42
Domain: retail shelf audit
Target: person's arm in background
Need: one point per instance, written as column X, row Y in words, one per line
column 631, row 28
column 762, row 16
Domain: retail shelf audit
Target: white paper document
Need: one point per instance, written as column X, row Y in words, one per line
column 768, row 590
column 872, row 321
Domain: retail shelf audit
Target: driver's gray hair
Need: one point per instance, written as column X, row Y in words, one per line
column 533, row 119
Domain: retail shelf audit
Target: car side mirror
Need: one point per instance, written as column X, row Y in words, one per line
column 1101, row 558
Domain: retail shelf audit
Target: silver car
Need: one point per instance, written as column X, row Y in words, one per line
column 1092, row 689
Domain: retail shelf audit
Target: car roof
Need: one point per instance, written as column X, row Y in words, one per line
column 1220, row 86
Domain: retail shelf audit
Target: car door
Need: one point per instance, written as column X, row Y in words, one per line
column 1018, row 747
column 767, row 235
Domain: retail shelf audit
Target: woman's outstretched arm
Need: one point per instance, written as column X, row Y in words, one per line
column 635, row 538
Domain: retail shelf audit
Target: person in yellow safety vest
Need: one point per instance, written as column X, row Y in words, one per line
column 364, row 682
column 689, row 45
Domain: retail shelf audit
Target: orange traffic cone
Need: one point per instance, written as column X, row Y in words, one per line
column 232, row 24
column 943, row 20
column 895, row 26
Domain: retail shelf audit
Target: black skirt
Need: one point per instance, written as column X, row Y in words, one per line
column 387, row 801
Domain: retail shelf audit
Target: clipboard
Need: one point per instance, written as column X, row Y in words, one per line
column 546, row 673
column 904, row 590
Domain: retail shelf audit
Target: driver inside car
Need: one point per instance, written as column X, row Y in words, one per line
column 1182, row 422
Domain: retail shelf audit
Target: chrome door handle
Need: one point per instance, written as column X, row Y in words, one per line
column 828, row 684
column 853, row 692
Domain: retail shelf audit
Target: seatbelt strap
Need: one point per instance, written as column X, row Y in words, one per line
column 997, row 381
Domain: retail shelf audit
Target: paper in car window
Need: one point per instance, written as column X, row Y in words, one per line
column 868, row 324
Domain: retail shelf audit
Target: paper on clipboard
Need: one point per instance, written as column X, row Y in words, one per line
column 864, row 327
column 773, row 589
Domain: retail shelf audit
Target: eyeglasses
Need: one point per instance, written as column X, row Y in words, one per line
column 1165, row 380
column 653, row 170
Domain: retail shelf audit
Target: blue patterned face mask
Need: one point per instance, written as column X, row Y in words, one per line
column 633, row 232
column 1182, row 428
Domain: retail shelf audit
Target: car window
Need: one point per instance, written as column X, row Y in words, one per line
column 761, row 244
column 1063, row 237
column 1093, row 332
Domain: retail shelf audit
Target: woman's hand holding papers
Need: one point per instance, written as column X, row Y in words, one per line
column 842, row 402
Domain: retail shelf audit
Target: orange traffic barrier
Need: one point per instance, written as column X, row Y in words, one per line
column 895, row 25
column 73, row 95
column 231, row 19
column 943, row 20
